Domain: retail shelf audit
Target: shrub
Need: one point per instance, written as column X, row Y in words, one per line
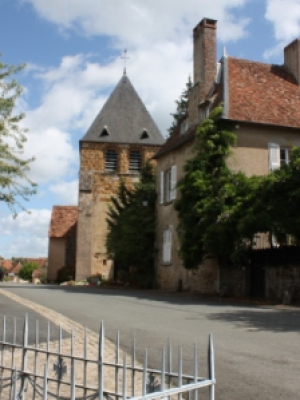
column 65, row 274
column 95, row 279
column 27, row 270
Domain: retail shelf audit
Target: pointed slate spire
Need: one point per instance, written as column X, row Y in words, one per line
column 125, row 118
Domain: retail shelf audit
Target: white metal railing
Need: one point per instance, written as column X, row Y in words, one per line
column 36, row 371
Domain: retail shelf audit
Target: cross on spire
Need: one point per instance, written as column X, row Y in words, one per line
column 125, row 58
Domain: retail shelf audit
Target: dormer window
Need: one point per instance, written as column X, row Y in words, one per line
column 145, row 134
column 183, row 127
column 111, row 161
column 204, row 112
column 104, row 132
column 135, row 161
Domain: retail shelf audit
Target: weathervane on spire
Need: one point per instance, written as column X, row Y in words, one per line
column 125, row 58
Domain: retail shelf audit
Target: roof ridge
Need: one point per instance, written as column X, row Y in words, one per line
column 255, row 62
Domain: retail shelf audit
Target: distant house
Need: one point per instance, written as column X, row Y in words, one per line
column 6, row 264
column 14, row 271
column 62, row 239
column 262, row 103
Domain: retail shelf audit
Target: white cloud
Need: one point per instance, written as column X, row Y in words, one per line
column 285, row 17
column 26, row 247
column 135, row 23
column 66, row 192
column 26, row 235
column 54, row 154
column 36, row 223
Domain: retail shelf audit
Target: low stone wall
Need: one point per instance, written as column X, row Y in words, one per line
column 233, row 282
column 283, row 283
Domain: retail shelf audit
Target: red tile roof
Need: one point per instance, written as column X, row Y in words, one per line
column 63, row 219
column 7, row 264
column 15, row 269
column 256, row 93
column 262, row 93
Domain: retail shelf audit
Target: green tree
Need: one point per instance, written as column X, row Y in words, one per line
column 27, row 270
column 14, row 182
column 131, row 222
column 211, row 197
column 182, row 106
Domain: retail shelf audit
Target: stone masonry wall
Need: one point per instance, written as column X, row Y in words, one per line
column 92, row 227
column 280, row 280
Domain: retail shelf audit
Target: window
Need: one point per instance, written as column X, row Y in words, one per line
column 278, row 156
column 183, row 127
column 168, row 182
column 167, row 246
column 204, row 112
column 111, row 161
column 135, row 161
column 145, row 134
column 104, row 132
column 284, row 156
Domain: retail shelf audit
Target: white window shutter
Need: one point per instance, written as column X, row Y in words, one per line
column 167, row 246
column 164, row 246
column 173, row 182
column 274, row 156
column 162, row 177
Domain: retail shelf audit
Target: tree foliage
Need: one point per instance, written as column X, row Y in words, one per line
column 182, row 106
column 27, row 270
column 14, row 182
column 131, row 223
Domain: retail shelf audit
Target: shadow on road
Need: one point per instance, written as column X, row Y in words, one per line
column 251, row 316
column 182, row 298
column 273, row 319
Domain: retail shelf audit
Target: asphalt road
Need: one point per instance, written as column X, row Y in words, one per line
column 257, row 348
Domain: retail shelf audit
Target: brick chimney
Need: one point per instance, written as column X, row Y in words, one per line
column 292, row 59
column 205, row 57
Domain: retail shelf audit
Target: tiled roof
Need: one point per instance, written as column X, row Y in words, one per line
column 7, row 264
column 63, row 221
column 15, row 269
column 262, row 93
column 254, row 92
column 123, row 119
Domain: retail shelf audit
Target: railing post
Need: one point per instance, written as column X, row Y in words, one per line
column 24, row 378
column 211, row 367
column 100, row 362
column 195, row 370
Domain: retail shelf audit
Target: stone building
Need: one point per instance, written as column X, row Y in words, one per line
column 62, row 239
column 118, row 143
column 261, row 102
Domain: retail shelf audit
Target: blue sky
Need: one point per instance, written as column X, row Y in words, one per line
column 73, row 51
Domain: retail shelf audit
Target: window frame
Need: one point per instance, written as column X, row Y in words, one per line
column 138, row 161
column 113, row 160
column 168, row 183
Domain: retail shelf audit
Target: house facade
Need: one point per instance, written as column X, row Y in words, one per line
column 261, row 103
